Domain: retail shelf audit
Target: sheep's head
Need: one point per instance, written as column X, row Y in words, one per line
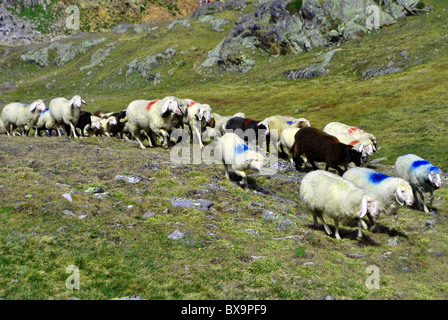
column 354, row 155
column 38, row 106
column 404, row 194
column 171, row 104
column 255, row 160
column 369, row 204
column 77, row 102
column 205, row 112
column 434, row 177
column 302, row 123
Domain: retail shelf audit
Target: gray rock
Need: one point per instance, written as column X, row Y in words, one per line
column 94, row 190
column 67, row 196
column 148, row 215
column 129, row 178
column 68, row 213
column 199, row 204
column 393, row 242
column 276, row 217
column 176, row 235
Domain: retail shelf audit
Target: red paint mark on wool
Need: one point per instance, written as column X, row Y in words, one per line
column 248, row 121
column 150, row 104
column 191, row 103
column 353, row 142
column 352, row 130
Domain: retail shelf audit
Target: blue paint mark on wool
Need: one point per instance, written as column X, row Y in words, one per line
column 376, row 177
column 434, row 168
column 240, row 148
column 419, row 163
column 290, row 122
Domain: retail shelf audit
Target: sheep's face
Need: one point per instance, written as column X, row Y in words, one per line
column 77, row 102
column 369, row 204
column 38, row 106
column 255, row 161
column 434, row 179
column 404, row 195
column 354, row 156
column 171, row 104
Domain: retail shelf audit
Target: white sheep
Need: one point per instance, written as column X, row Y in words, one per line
column 45, row 121
column 278, row 123
column 334, row 128
column 421, row 175
column 287, row 139
column 67, row 112
column 326, row 193
column 94, row 127
column 237, row 155
column 367, row 143
column 147, row 116
column 22, row 116
column 2, row 127
column 196, row 117
column 391, row 192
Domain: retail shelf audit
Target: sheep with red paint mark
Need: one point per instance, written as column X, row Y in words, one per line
column 249, row 129
column 392, row 192
column 421, row 175
column 149, row 116
column 322, row 147
column 335, row 128
column 239, row 157
column 197, row 116
column 366, row 145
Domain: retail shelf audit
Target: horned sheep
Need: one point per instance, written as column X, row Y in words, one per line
column 421, row 175
column 327, row 194
column 391, row 192
column 239, row 157
column 322, row 147
column 66, row 112
column 22, row 116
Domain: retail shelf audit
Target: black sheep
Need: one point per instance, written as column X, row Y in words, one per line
column 240, row 126
column 319, row 146
column 117, row 129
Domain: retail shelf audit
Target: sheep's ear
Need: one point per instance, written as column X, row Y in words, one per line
column 399, row 195
column 361, row 147
column 363, row 211
column 82, row 101
column 165, row 106
column 201, row 113
column 33, row 106
column 374, row 148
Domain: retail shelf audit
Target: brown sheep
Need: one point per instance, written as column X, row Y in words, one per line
column 322, row 147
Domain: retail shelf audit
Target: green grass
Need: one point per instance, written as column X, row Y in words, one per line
column 119, row 254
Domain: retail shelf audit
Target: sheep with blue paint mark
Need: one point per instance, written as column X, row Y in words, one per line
column 278, row 123
column 327, row 194
column 391, row 192
column 21, row 116
column 421, row 175
column 239, row 157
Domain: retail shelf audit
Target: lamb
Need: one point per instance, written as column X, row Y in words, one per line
column 67, row 112
column 391, row 192
column 421, row 175
column 326, row 193
column 147, row 115
column 18, row 115
column 322, row 147
column 93, row 128
column 278, row 123
column 248, row 129
column 242, row 160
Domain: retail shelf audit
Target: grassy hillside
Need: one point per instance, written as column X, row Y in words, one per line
column 238, row 250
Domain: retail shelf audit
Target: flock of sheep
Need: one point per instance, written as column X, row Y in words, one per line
column 352, row 194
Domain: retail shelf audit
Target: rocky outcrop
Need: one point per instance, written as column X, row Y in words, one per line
column 16, row 31
column 273, row 29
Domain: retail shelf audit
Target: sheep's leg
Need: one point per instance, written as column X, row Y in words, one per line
column 244, row 181
column 316, row 224
column 226, row 168
column 425, row 208
column 373, row 226
column 72, row 129
column 336, row 227
column 359, row 236
column 431, row 198
column 327, row 229
column 198, row 134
